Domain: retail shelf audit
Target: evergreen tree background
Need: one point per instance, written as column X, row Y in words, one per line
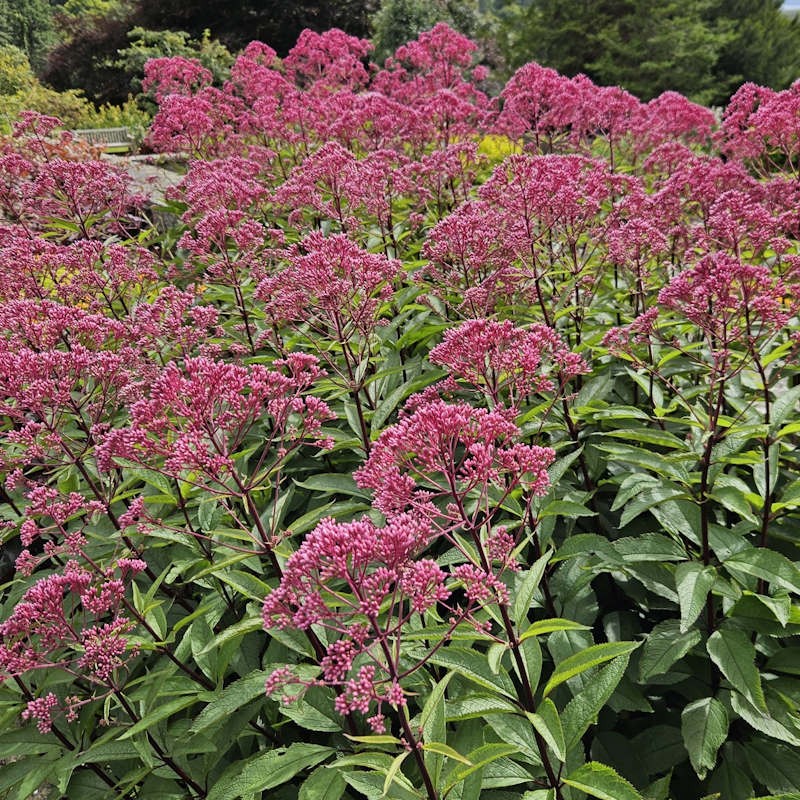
column 703, row 48
column 29, row 26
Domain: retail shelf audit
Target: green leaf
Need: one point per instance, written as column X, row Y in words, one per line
column 473, row 707
column 648, row 499
column 473, row 666
column 26, row 777
column 785, row 796
column 323, row 784
column 622, row 412
column 433, row 721
column 565, row 508
column 783, row 407
column 596, row 388
column 160, row 713
column 769, row 565
column 543, row 626
column 630, row 456
column 235, row 631
column 106, row 751
column 760, row 721
column 370, row 785
column 376, row 761
column 734, row 500
column 680, row 518
column 559, row 467
column 309, row 717
column 267, row 770
column 530, row 652
column 433, row 714
column 586, row 659
column 333, row 483
column 761, row 611
column 582, row 710
column 734, row 654
column 659, row 789
column 760, row 473
column 704, row 725
column 374, row 739
column 494, row 655
column 598, row 780
column 526, row 588
column 548, row 724
column 445, row 750
column 775, row 765
column 245, row 583
column 731, row 778
column 665, row 645
column 479, row 758
column 393, row 770
column 583, row 544
column 693, row 582
column 515, row 730
column 649, row 547
column 207, row 515
column 634, row 484
column 790, row 495
column 231, row 698
column 658, row 748
column 332, row 508
column 393, row 399
column 648, row 436
column 786, row 660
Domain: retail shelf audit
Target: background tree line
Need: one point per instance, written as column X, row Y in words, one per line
column 702, row 48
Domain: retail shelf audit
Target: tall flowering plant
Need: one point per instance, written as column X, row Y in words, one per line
column 430, row 447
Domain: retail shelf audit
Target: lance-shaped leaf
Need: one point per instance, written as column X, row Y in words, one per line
column 735, row 656
column 583, row 709
column 704, row 725
column 600, row 781
column 586, row 659
column 548, row 725
column 768, row 565
column 693, row 582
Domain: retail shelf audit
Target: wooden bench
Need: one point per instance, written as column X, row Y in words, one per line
column 112, row 140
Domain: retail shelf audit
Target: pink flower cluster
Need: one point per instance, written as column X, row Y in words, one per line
column 194, row 418
column 323, row 91
column 332, row 285
column 451, row 451
column 557, row 112
column 58, row 623
column 507, row 363
column 362, row 583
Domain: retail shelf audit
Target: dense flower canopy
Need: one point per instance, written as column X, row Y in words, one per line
column 462, row 425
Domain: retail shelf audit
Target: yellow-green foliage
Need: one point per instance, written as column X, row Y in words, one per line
column 497, row 147
column 20, row 90
column 128, row 115
column 70, row 107
column 16, row 74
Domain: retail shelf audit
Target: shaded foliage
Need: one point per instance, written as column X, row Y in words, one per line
column 702, row 48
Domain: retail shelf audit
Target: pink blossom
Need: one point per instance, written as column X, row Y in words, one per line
column 481, row 586
column 506, row 362
column 331, row 60
column 672, row 117
column 450, row 451
column 104, row 648
column 41, row 709
column 332, row 284
column 174, row 75
column 196, row 417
